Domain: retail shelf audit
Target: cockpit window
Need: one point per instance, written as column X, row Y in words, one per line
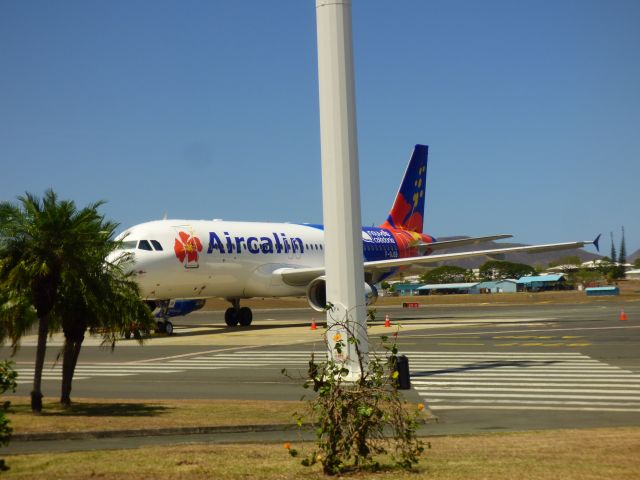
column 144, row 245
column 129, row 245
column 156, row 245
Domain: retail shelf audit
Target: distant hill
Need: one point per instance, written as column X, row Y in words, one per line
column 534, row 259
column 635, row 255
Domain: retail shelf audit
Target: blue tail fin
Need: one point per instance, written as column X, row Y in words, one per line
column 408, row 208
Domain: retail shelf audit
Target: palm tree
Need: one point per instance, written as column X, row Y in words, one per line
column 17, row 315
column 105, row 300
column 51, row 256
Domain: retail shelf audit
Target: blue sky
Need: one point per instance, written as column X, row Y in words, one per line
column 209, row 109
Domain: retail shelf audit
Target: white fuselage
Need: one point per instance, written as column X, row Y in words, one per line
column 202, row 259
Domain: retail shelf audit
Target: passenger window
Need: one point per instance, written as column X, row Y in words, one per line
column 144, row 245
column 156, row 245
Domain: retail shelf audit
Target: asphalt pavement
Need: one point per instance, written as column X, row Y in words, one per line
column 479, row 368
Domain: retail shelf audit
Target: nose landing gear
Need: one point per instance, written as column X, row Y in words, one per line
column 164, row 325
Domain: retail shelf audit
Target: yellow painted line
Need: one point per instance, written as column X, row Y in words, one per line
column 525, row 337
column 541, row 344
column 458, row 344
column 567, row 337
column 435, row 335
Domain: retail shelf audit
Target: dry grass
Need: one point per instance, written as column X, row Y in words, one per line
column 114, row 414
column 592, row 454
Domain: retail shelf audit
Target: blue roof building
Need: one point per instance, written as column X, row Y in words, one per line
column 498, row 286
column 542, row 282
column 407, row 289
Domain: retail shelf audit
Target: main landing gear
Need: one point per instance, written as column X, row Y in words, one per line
column 237, row 315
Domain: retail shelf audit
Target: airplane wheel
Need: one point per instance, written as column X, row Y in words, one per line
column 231, row 317
column 168, row 327
column 161, row 327
column 245, row 316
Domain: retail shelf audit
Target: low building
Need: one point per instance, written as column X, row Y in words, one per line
column 539, row 283
column 407, row 289
column 602, row 291
column 497, row 286
column 443, row 288
column 633, row 274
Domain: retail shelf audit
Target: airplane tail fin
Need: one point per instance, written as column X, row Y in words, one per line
column 408, row 208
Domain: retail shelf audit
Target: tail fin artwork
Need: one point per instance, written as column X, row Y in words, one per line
column 408, row 208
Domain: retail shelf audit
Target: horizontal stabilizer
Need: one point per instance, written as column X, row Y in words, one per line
column 462, row 242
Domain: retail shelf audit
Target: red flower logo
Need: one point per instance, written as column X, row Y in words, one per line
column 187, row 248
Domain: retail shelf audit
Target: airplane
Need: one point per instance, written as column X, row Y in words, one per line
column 180, row 263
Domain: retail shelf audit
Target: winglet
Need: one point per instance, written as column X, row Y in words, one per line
column 596, row 242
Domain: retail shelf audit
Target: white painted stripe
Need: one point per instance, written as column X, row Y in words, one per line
column 271, row 354
column 223, row 361
column 496, row 354
column 447, row 354
column 183, row 368
column 435, row 391
column 105, row 367
column 586, row 363
column 508, row 375
column 535, row 395
column 119, row 370
column 422, row 354
column 532, row 407
column 536, row 402
column 527, row 384
column 247, row 364
column 502, row 368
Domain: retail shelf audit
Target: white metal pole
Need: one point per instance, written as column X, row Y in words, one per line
column 341, row 182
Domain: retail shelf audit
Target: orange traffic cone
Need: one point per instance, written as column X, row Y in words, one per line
column 387, row 322
column 623, row 316
column 313, row 324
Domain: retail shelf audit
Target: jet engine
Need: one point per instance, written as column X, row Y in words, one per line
column 317, row 294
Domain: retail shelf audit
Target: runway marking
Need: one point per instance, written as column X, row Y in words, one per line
column 528, row 381
column 541, row 344
column 509, row 380
column 539, row 330
column 524, row 337
column 538, row 407
column 461, row 344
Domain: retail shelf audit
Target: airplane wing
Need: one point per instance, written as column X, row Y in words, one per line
column 302, row 276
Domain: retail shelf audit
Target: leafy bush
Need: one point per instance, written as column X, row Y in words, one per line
column 7, row 382
column 356, row 421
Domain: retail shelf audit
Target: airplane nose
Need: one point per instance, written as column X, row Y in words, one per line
column 125, row 258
